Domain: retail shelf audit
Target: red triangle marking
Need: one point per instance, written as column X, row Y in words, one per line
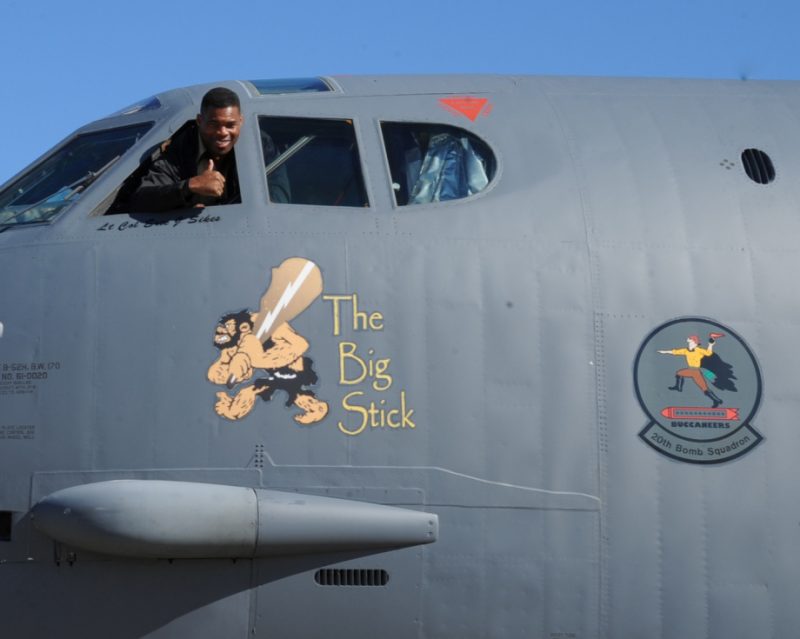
column 469, row 107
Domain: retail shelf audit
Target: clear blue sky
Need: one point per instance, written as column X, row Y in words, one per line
column 67, row 62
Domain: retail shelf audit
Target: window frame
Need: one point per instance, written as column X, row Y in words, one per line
column 360, row 149
column 59, row 148
column 493, row 179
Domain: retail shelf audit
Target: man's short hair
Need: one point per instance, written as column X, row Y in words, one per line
column 219, row 98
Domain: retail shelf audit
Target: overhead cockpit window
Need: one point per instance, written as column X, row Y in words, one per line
column 148, row 104
column 312, row 161
column 435, row 162
column 290, row 85
column 59, row 180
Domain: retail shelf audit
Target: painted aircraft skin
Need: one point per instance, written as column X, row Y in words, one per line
column 508, row 379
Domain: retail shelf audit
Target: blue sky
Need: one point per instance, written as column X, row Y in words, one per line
column 67, row 62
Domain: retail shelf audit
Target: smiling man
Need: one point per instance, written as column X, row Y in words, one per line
column 196, row 166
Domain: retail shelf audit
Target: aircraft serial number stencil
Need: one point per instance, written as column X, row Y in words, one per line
column 700, row 386
column 22, row 378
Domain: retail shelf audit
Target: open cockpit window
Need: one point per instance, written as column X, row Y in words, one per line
column 60, row 179
column 310, row 161
column 435, row 162
column 162, row 181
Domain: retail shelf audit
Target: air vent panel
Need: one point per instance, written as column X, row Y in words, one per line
column 351, row 577
column 758, row 166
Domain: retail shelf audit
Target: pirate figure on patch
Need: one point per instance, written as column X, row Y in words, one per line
column 703, row 366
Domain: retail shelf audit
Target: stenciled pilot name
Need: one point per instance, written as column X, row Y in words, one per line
column 366, row 371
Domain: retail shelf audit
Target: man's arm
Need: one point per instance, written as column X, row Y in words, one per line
column 162, row 188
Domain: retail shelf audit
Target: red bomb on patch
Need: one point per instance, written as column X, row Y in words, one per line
column 700, row 385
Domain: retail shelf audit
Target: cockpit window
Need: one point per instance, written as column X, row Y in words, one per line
column 148, row 104
column 312, row 161
column 290, row 85
column 58, row 181
column 435, row 162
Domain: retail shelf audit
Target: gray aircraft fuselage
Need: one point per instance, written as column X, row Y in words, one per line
column 558, row 407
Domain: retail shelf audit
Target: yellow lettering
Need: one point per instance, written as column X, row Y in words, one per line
column 406, row 413
column 347, row 352
column 383, row 380
column 358, row 315
column 336, row 313
column 376, row 321
column 362, row 321
column 353, row 408
column 376, row 415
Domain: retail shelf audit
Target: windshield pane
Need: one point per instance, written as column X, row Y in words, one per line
column 60, row 179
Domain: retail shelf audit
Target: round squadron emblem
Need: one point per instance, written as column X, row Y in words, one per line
column 699, row 384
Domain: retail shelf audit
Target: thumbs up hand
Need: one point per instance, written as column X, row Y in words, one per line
column 209, row 182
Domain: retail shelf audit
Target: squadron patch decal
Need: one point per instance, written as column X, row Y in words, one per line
column 700, row 385
column 263, row 345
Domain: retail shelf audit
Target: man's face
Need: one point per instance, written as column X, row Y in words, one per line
column 692, row 344
column 219, row 129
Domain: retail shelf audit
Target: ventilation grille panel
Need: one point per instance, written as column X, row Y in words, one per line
column 351, row 577
column 758, row 166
